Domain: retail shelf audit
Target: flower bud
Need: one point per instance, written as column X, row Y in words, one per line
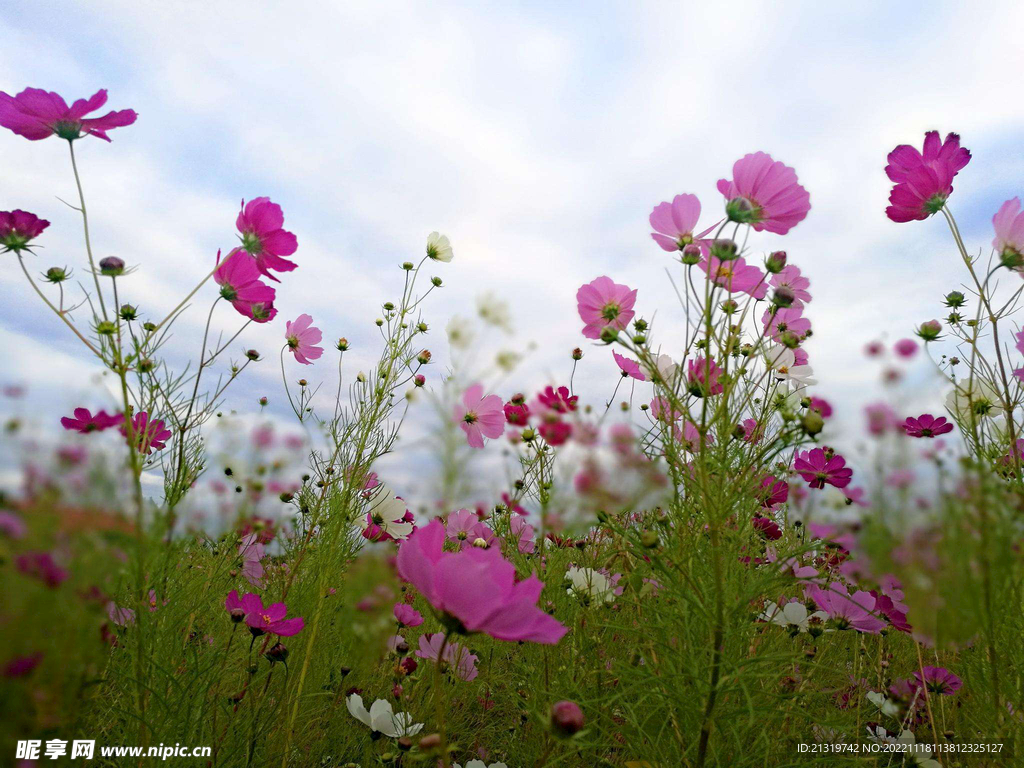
column 955, row 300
column 566, row 718
column 422, row 327
column 776, row 262
column 303, row 382
column 436, row 282
column 812, row 422
column 649, row 539
column 691, row 254
column 263, row 400
column 112, row 266
column 379, row 322
column 640, row 324
column 730, row 307
column 342, row 345
column 56, row 275
column 389, row 306
column 277, row 652
column 407, row 265
column 423, row 357
column 252, row 354
column 419, row 380
column 106, row 328
column 724, row 249
column 149, row 327
column 1011, row 258
column 146, row 365
column 577, row 354
column 930, row 331
column 430, row 741
column 609, row 334
column 783, row 296
column 237, row 615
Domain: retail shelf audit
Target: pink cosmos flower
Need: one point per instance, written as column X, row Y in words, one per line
column 630, row 368
column 881, row 418
column 822, row 406
column 790, row 278
column 460, row 525
column 690, row 438
column 673, row 223
column 523, row 534
column 777, row 202
column 558, row 400
column 818, row 467
column 767, row 528
column 554, row 431
column 476, row 589
column 239, row 281
column 85, row 422
column 773, row 491
column 480, row 416
column 37, row 114
column 926, row 425
column 702, row 377
column 120, row 616
column 457, row 658
column 905, row 348
column 251, row 551
column 21, row 666
column 18, row 228
column 407, row 616
column 271, row 619
column 752, row 431
column 735, row 275
column 923, row 180
column 42, row 566
column 939, row 680
column 662, row 410
column 604, row 304
column 261, row 224
column 12, row 525
column 846, row 609
column 1008, row 224
column 302, row 338
column 149, row 435
column 517, row 413
column 780, row 320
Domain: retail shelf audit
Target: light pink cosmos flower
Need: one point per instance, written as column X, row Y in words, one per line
column 523, row 534
column 84, row 421
column 302, row 338
column 18, row 228
column 37, row 114
column 120, row 616
column 790, row 278
column 239, row 281
column 779, row 320
column 261, row 223
column 460, row 525
column 1008, row 224
column 12, row 525
column 923, row 179
column 777, row 201
column 456, row 656
column 252, row 553
column 604, row 304
column 674, row 223
column 480, row 416
column 407, row 616
column 846, row 609
column 735, row 275
column 149, row 435
column 630, row 368
column 476, row 589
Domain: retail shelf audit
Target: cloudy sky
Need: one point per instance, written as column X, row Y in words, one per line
column 537, row 135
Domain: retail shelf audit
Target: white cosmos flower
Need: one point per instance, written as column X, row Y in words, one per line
column 438, row 247
column 978, row 397
column 886, row 707
column 387, row 512
column 589, row 585
column 494, row 311
column 921, row 756
column 779, row 356
column 792, row 615
column 665, row 369
column 460, row 332
column 381, row 718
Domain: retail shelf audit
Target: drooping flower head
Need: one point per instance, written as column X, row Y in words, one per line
column 239, row 281
column 37, row 114
column 475, row 589
column 261, row 224
column 302, row 338
column 629, row 368
column 149, row 435
column 1008, row 224
column 674, row 223
column 84, row 421
column 735, row 275
column 17, row 230
column 480, row 416
column 604, row 304
column 765, row 193
column 923, row 179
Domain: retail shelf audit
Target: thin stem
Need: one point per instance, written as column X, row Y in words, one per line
column 58, row 312
column 85, row 225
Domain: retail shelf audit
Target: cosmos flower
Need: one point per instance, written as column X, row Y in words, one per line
column 939, row 680
column 381, row 718
column 791, row 279
column 604, row 304
column 476, row 590
column 926, row 425
column 406, row 615
column 923, row 179
column 18, row 229
column 559, row 401
column 456, row 656
column 460, row 525
column 84, row 421
column 765, row 193
column 629, row 368
column 735, row 275
column 1008, row 224
column 301, row 337
column 818, row 467
column 260, row 223
column 702, row 377
column 845, row 609
column 780, row 320
column 590, row 586
column 480, row 416
column 42, row 566
column 439, row 248
column 239, row 281
column 387, row 518
column 262, row 620
column 674, row 223
column 793, row 616
column 37, row 114
column 149, row 435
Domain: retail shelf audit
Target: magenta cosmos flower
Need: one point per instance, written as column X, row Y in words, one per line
column 939, row 680
column 926, row 425
column 1008, row 224
column 604, row 304
column 261, row 223
column 407, row 616
column 702, row 377
column 674, row 223
column 239, row 281
column 18, row 228
column 475, row 590
column 923, row 179
column 560, row 401
column 262, row 620
column 630, row 368
column 736, row 276
column 301, row 338
column 85, row 422
column 820, row 466
column 480, row 416
column 37, row 114
column 149, row 435
column 848, row 611
column 765, row 193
